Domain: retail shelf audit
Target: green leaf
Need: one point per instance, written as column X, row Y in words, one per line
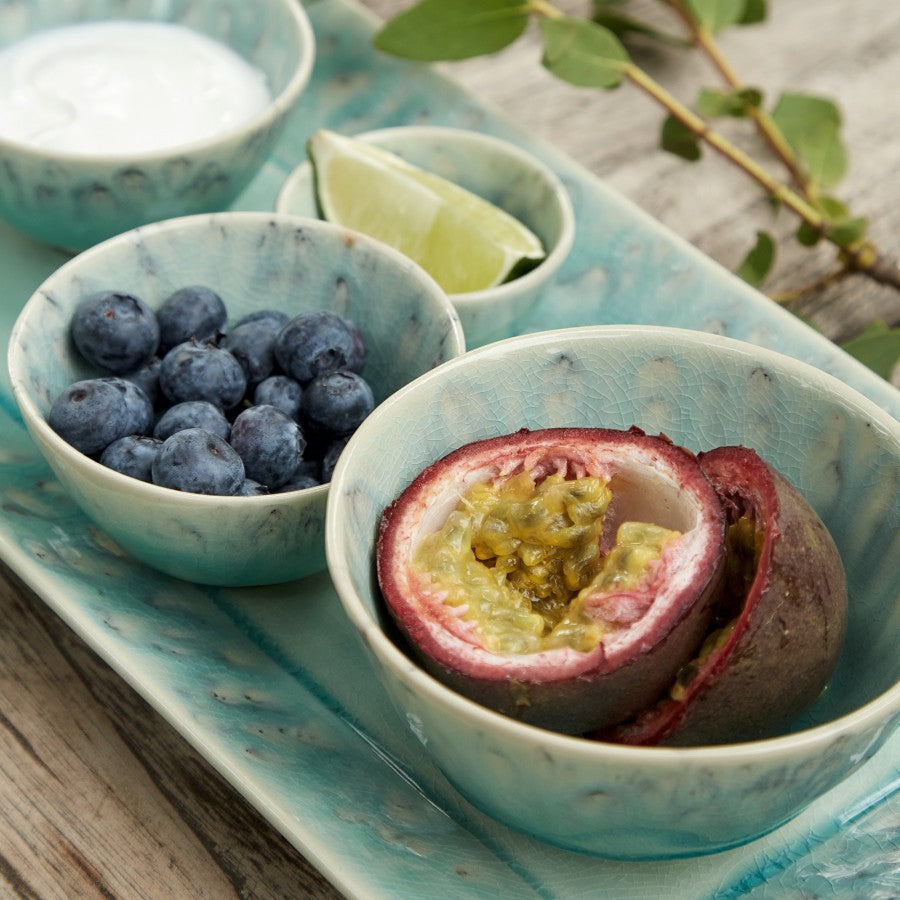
column 832, row 207
column 811, row 125
column 807, row 235
column 582, row 53
column 841, row 227
column 754, row 11
column 712, row 102
column 759, row 261
column 714, row 15
column 878, row 347
column 453, row 29
column 845, row 232
column 679, row 139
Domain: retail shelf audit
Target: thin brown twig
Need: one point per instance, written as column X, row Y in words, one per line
column 821, row 281
column 770, row 132
column 862, row 257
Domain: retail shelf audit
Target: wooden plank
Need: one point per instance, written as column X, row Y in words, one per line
column 100, row 797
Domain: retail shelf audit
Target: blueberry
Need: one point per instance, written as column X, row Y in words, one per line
column 192, row 414
column 147, row 378
column 299, row 484
column 138, row 408
column 253, row 346
column 132, row 455
column 337, row 402
column 200, row 462
column 251, row 488
column 329, row 460
column 116, row 331
column 358, row 354
column 91, row 414
column 307, row 468
column 313, row 343
column 193, row 312
column 306, row 475
column 273, row 318
column 193, row 371
column 282, row 392
column 269, row 443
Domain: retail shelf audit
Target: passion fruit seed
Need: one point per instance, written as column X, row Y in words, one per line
column 560, row 577
column 743, row 544
column 519, row 559
column 570, row 576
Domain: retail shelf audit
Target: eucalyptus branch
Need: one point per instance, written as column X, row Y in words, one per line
column 856, row 253
column 861, row 256
column 700, row 129
column 864, row 257
column 705, row 40
column 544, row 8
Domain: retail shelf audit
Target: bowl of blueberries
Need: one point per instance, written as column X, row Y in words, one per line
column 193, row 381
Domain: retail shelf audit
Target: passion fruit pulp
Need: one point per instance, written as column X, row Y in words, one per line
column 561, row 577
column 779, row 622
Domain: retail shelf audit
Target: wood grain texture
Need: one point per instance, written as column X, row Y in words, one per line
column 99, row 797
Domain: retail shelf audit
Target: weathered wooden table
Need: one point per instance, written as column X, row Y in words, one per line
column 99, row 796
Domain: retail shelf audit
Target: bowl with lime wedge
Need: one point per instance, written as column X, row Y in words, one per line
column 490, row 222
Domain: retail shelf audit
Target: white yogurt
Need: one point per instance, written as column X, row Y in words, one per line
column 121, row 87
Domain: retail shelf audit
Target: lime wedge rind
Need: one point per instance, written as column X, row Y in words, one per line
column 465, row 242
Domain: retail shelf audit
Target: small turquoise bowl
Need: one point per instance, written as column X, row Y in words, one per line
column 501, row 173
column 703, row 391
column 73, row 201
column 254, row 261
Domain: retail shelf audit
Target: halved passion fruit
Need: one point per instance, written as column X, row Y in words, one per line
column 778, row 625
column 561, row 577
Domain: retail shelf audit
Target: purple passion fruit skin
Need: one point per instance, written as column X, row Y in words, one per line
column 628, row 639
column 780, row 620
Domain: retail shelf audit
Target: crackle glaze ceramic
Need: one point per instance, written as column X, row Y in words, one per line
column 272, row 684
column 254, row 261
column 702, row 391
column 73, row 201
column 502, row 173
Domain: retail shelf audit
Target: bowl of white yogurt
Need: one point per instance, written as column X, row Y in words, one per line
column 116, row 115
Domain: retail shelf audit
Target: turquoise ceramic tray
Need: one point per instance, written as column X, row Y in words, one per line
column 271, row 685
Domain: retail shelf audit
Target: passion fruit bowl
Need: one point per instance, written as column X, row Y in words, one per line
column 255, row 261
column 808, row 464
column 500, row 172
column 77, row 198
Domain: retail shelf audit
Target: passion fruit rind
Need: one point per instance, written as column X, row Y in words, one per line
column 784, row 612
column 647, row 630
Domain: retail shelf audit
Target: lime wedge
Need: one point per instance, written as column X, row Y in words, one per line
column 463, row 241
